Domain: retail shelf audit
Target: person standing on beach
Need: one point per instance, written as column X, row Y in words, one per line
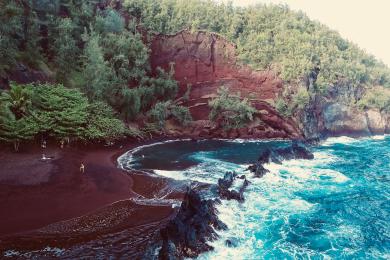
column 82, row 168
column 62, row 142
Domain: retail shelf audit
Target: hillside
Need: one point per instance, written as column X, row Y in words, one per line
column 159, row 67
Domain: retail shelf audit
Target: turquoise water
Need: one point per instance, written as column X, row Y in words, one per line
column 335, row 206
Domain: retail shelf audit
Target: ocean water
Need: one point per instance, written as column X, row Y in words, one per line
column 336, row 206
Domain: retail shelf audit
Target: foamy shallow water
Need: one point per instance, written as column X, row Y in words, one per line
column 335, row 206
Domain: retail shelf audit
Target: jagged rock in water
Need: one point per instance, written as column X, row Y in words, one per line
column 226, row 183
column 231, row 242
column 168, row 251
column 194, row 224
column 296, row 151
column 227, row 180
column 258, row 169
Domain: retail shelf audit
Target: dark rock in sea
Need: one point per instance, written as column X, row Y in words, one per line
column 168, row 251
column 225, row 184
column 258, row 169
column 227, row 180
column 194, row 224
column 296, row 151
column 268, row 156
column 231, row 242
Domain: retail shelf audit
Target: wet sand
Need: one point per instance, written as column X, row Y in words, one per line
column 53, row 204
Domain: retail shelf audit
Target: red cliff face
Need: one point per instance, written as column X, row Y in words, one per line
column 206, row 61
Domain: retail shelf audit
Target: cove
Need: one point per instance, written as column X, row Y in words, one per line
column 334, row 206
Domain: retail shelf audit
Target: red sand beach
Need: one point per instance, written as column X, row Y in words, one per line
column 51, row 203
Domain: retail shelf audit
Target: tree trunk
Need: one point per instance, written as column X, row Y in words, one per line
column 16, row 146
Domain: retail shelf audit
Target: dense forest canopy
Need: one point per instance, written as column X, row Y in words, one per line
column 97, row 53
column 101, row 63
column 269, row 37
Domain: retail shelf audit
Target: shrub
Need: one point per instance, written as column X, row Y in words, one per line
column 230, row 109
column 301, row 98
column 102, row 124
column 163, row 110
column 378, row 97
column 282, row 107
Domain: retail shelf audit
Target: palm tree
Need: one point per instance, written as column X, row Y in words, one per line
column 17, row 99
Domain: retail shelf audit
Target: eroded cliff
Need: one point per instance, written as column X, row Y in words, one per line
column 206, row 61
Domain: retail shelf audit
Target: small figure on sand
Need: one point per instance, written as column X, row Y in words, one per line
column 82, row 168
column 43, row 145
column 46, row 158
column 62, row 142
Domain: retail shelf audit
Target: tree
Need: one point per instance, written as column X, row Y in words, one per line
column 163, row 110
column 61, row 112
column 96, row 71
column 301, row 98
column 66, row 51
column 109, row 21
column 282, row 107
column 230, row 110
column 13, row 129
column 102, row 124
column 10, row 30
column 127, row 55
column 377, row 97
column 17, row 99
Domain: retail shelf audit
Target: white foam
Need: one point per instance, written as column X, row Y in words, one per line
column 275, row 198
column 127, row 158
column 240, row 141
column 339, row 140
column 177, row 175
column 378, row 137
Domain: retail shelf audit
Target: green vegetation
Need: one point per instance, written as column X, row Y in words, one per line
column 55, row 111
column 164, row 110
column 101, row 65
column 378, row 98
column 230, row 110
column 297, row 101
column 269, row 37
column 99, row 59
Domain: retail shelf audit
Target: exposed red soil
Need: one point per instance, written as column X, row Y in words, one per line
column 206, row 61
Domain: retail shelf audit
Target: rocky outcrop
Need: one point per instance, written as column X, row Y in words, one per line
column 225, row 185
column 187, row 234
column 206, row 61
column 376, row 122
column 335, row 113
column 297, row 150
column 336, row 118
column 340, row 119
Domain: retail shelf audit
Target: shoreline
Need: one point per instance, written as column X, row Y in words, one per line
column 62, row 208
column 63, row 205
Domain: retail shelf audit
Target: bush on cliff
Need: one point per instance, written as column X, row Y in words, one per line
column 230, row 110
column 282, row 107
column 164, row 110
column 378, row 98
